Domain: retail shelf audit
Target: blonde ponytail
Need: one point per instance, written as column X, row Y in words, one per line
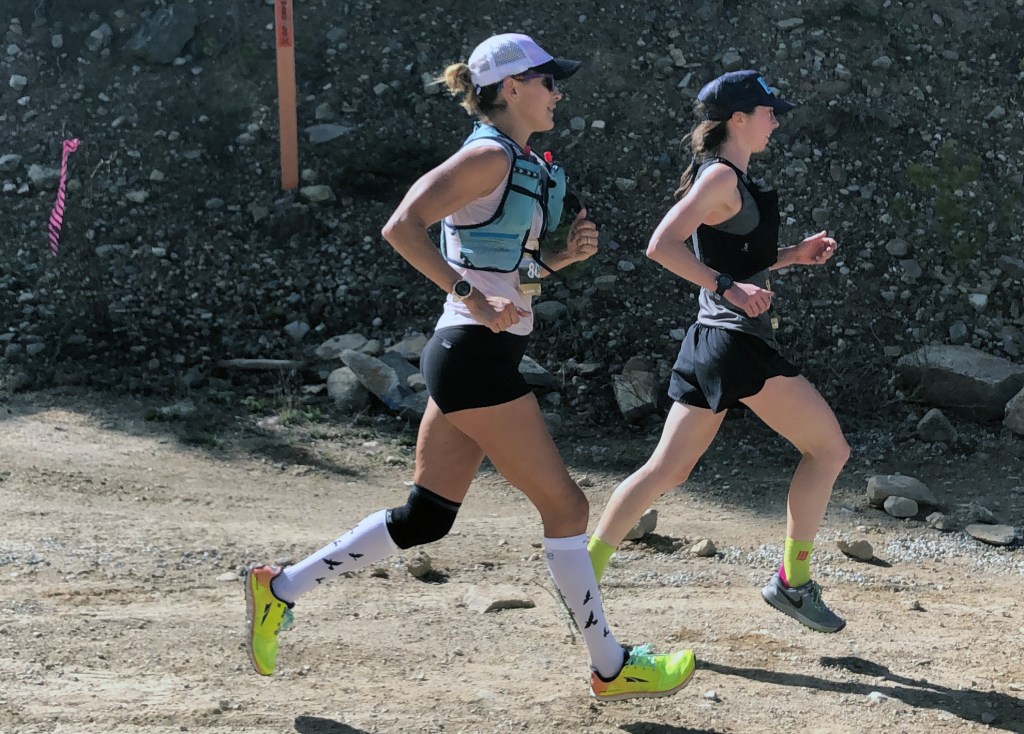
column 477, row 101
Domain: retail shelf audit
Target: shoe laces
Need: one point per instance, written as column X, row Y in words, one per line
column 641, row 655
column 814, row 595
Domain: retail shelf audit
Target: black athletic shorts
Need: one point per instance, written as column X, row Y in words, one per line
column 716, row 368
column 472, row 367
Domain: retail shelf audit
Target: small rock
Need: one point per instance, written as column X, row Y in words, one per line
column 897, row 248
column 901, row 507
column 993, row 534
column 859, row 549
column 935, row 427
column 495, row 598
column 978, row 301
column 430, row 85
column 419, row 565
column 998, row 113
column 704, row 549
column 297, row 330
column 970, row 513
column 9, row 162
column 647, row 523
column 318, row 194
column 938, row 521
column 732, row 61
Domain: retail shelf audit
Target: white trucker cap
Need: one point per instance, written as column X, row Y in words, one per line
column 509, row 54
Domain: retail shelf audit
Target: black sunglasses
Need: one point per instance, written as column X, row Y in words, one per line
column 548, row 80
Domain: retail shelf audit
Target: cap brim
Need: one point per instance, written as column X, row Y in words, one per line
column 559, row 68
column 781, row 106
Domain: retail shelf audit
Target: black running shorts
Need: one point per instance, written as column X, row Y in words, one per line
column 717, row 368
column 472, row 367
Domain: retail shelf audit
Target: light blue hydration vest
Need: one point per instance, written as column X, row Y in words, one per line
column 499, row 243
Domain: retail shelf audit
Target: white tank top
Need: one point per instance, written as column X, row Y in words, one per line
column 505, row 285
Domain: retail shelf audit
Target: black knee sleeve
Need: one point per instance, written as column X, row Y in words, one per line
column 424, row 518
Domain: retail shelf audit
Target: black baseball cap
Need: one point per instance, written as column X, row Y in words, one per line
column 739, row 91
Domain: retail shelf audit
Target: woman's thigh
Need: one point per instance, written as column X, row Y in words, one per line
column 794, row 409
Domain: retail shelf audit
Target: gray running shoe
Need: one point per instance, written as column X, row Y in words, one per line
column 803, row 604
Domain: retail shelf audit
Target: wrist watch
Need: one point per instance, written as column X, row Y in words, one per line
column 461, row 290
column 723, row 283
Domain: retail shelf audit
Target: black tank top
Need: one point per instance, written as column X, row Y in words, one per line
column 746, row 257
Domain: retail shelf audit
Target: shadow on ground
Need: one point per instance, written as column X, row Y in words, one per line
column 318, row 725
column 647, row 727
column 991, row 708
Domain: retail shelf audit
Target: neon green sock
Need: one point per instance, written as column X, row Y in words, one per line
column 796, row 562
column 600, row 554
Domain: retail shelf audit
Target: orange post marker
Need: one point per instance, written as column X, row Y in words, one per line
column 284, row 22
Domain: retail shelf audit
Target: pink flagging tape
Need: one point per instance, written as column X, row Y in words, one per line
column 57, row 215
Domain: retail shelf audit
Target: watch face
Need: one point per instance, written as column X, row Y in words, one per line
column 463, row 288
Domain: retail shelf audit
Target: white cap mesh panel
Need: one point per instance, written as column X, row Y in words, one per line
column 509, row 53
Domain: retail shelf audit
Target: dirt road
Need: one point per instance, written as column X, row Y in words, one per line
column 121, row 607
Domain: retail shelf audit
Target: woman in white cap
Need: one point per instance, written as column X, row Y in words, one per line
column 729, row 356
column 497, row 199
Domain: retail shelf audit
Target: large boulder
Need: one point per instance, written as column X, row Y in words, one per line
column 164, row 37
column 883, row 486
column 962, row 379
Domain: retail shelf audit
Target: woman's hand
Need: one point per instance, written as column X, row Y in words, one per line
column 494, row 312
column 582, row 240
column 815, row 250
column 749, row 298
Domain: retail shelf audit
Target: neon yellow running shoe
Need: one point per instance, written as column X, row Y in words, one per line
column 646, row 675
column 267, row 615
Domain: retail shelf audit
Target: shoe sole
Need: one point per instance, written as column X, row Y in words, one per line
column 658, row 694
column 790, row 612
column 250, row 611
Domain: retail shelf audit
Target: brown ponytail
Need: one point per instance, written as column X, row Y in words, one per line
column 478, row 101
column 705, row 139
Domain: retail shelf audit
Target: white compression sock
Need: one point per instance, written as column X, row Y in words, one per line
column 573, row 574
column 366, row 543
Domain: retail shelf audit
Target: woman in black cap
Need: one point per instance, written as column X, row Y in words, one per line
column 497, row 199
column 729, row 356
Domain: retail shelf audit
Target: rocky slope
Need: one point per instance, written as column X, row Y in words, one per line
column 179, row 250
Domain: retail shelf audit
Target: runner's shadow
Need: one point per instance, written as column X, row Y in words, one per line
column 317, row 725
column 660, row 543
column 994, row 709
column 647, row 727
